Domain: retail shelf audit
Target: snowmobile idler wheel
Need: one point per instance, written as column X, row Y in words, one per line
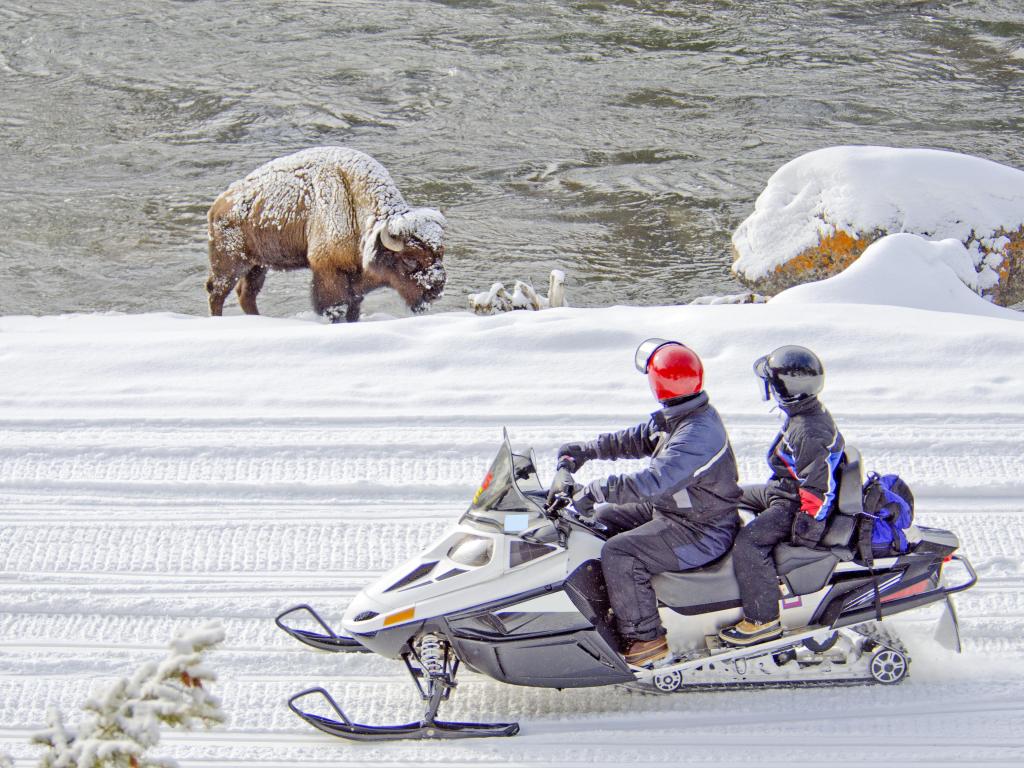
column 667, row 682
column 888, row 666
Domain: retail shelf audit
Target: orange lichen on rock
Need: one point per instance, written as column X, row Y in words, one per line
column 832, row 254
column 1010, row 288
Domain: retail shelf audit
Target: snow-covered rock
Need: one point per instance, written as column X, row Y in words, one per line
column 903, row 270
column 819, row 212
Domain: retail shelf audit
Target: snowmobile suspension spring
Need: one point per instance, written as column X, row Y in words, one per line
column 432, row 655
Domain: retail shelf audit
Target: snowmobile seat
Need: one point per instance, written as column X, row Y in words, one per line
column 804, row 570
column 807, row 569
column 711, row 588
column 842, row 522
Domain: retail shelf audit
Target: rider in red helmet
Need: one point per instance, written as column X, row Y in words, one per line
column 678, row 513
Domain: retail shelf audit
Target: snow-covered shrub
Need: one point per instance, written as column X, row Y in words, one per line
column 121, row 724
column 523, row 296
column 819, row 212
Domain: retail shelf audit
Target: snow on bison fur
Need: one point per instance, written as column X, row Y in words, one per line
column 331, row 209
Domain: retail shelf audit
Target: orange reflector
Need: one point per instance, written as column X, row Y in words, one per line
column 947, row 558
column 399, row 617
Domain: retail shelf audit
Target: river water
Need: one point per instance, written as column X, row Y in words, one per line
column 619, row 141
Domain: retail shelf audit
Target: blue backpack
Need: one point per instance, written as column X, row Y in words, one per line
column 889, row 504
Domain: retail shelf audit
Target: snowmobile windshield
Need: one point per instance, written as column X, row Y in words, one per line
column 500, row 502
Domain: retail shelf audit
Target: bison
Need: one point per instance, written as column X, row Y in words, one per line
column 334, row 210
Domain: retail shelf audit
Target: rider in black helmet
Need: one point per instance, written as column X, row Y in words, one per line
column 795, row 503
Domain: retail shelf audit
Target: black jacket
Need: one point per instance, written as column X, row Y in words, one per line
column 692, row 473
column 804, row 456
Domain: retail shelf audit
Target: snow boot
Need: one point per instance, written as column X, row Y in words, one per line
column 749, row 633
column 642, row 652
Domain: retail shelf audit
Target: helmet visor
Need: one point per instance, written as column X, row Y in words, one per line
column 761, row 371
column 644, row 352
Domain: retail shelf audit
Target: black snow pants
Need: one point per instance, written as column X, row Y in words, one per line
column 646, row 543
column 752, row 555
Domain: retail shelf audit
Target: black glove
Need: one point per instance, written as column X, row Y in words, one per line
column 584, row 502
column 574, row 455
column 563, row 483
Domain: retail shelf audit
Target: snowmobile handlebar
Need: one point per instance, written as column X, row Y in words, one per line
column 554, row 508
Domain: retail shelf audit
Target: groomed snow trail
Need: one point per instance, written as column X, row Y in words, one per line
column 157, row 471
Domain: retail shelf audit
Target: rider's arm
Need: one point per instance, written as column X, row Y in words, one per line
column 633, row 443
column 816, row 454
column 691, row 452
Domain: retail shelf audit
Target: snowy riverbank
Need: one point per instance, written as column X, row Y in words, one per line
column 159, row 469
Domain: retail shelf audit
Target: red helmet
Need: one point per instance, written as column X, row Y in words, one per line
column 673, row 370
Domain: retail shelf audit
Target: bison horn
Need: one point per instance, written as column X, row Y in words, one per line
column 389, row 241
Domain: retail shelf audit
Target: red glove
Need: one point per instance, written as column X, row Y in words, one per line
column 810, row 502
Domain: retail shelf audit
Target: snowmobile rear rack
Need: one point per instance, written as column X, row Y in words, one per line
column 331, row 641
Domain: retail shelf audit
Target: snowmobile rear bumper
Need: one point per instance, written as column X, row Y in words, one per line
column 424, row 729
column 331, row 641
column 972, row 576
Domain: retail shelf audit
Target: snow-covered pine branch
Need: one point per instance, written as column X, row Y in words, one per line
column 121, row 724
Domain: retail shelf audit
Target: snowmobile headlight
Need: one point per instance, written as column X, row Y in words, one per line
column 471, row 551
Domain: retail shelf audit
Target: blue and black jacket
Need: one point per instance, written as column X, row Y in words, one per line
column 804, row 456
column 692, row 473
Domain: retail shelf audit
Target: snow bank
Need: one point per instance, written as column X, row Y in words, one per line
column 551, row 365
column 903, row 270
column 864, row 192
column 159, row 466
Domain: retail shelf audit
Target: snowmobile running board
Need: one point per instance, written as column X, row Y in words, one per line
column 331, row 641
column 425, row 729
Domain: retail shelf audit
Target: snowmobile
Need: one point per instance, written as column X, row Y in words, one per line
column 515, row 592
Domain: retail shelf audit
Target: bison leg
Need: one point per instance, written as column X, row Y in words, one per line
column 225, row 266
column 249, row 287
column 330, row 292
column 218, row 286
column 355, row 305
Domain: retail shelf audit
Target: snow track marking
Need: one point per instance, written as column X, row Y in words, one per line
column 115, row 535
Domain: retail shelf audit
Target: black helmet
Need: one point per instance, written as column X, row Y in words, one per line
column 791, row 372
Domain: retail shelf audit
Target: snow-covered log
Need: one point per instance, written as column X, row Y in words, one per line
column 336, row 211
column 732, row 298
column 819, row 212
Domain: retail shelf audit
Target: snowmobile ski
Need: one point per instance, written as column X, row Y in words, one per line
column 331, row 641
column 433, row 668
